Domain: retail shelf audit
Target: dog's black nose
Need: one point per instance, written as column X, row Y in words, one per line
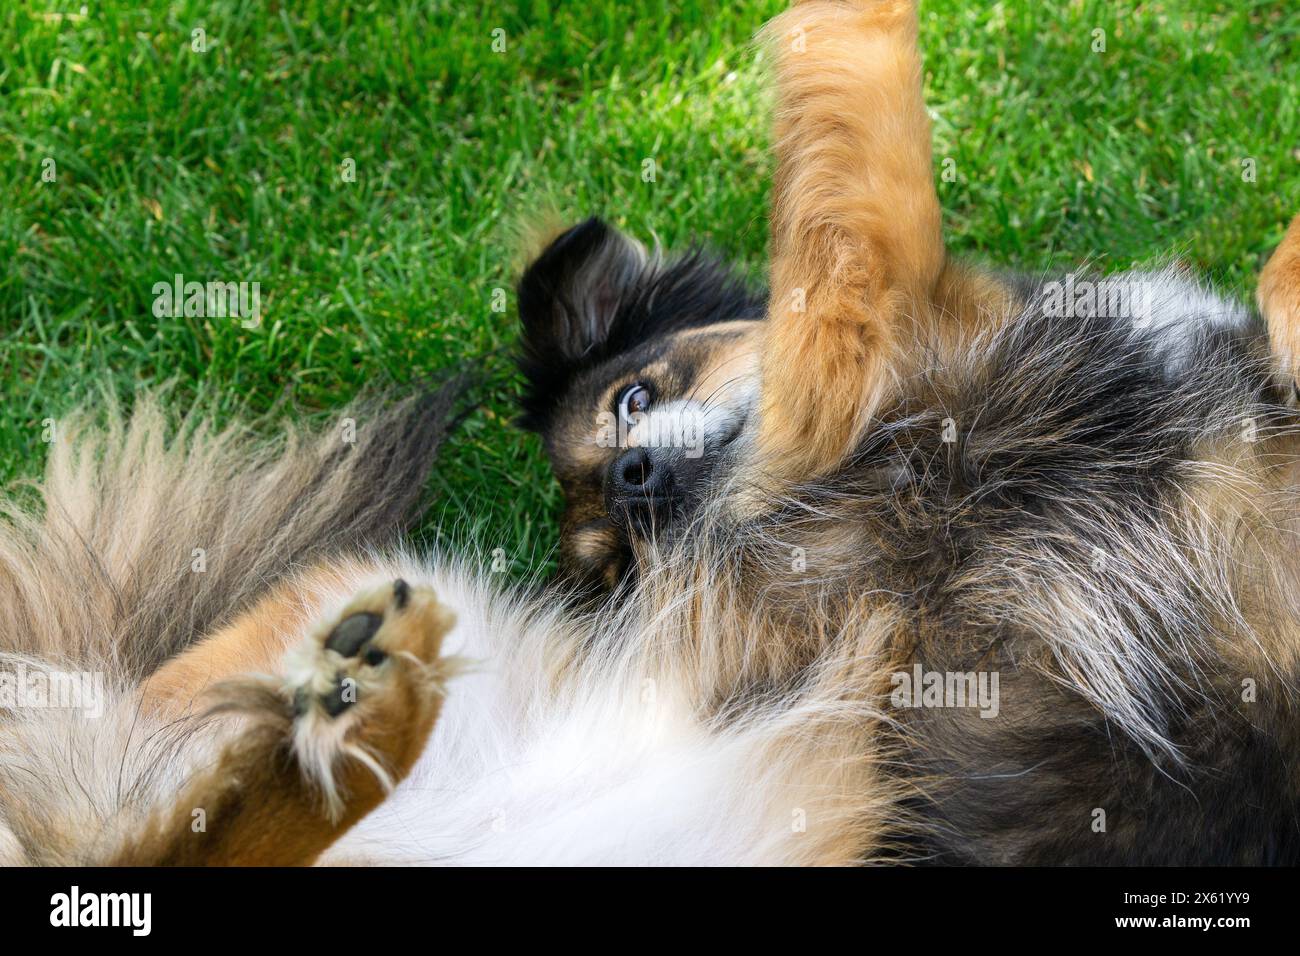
column 634, row 474
column 639, row 482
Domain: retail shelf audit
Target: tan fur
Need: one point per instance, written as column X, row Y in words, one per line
column 1252, row 494
column 967, row 303
column 252, row 644
column 856, row 243
column 262, row 803
column 1279, row 300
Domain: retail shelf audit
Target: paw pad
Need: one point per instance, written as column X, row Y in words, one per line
column 352, row 638
column 365, row 686
column 353, row 633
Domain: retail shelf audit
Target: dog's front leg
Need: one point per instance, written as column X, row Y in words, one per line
column 1279, row 301
column 317, row 749
column 857, row 249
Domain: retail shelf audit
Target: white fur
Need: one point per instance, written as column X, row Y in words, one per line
column 1175, row 306
column 611, row 766
column 689, row 425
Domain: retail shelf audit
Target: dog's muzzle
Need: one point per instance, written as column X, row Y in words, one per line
column 641, row 487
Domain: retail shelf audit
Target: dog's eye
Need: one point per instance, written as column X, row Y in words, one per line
column 634, row 400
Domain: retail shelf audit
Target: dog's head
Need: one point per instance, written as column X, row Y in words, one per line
column 641, row 376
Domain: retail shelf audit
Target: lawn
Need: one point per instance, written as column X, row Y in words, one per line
column 370, row 166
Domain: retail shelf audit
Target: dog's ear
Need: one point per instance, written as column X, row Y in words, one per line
column 570, row 294
column 568, row 300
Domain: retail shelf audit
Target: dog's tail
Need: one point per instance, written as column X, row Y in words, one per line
column 146, row 534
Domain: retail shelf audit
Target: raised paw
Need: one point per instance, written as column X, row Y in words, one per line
column 320, row 746
column 367, row 686
column 385, row 638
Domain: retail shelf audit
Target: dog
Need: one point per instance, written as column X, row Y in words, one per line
column 968, row 568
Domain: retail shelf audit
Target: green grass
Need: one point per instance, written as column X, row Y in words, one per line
column 226, row 165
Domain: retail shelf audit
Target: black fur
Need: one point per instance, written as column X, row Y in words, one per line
column 1070, row 434
column 591, row 295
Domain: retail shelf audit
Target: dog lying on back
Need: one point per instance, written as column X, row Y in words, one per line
column 643, row 372
column 966, row 569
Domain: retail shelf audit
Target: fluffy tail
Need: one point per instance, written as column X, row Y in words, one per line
column 148, row 536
